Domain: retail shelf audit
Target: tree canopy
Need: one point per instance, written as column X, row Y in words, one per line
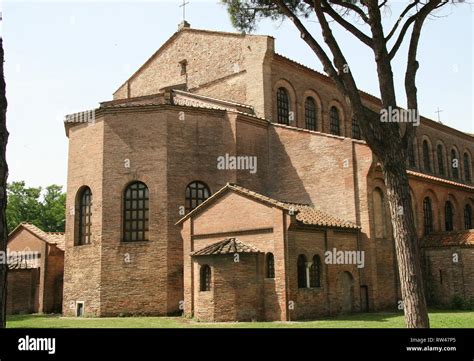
column 45, row 208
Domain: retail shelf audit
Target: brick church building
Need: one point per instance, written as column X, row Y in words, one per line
column 229, row 182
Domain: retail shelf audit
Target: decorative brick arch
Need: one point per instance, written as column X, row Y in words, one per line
column 457, row 211
column 421, row 164
column 440, row 143
column 435, row 209
column 342, row 117
column 470, row 172
column 283, row 83
column 450, row 163
column 319, row 109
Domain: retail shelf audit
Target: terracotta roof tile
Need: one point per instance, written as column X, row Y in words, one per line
column 226, row 246
column 447, row 239
column 441, row 180
column 54, row 238
column 305, row 213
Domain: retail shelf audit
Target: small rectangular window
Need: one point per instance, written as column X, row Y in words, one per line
column 183, row 64
column 79, row 309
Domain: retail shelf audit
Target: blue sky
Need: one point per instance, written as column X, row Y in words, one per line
column 65, row 56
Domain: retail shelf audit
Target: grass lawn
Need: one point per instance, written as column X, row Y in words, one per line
column 439, row 319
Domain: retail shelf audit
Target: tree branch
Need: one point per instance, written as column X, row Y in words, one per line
column 423, row 12
column 400, row 18
column 353, row 7
column 314, row 45
column 328, row 9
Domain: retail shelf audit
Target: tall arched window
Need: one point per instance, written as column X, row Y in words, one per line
column 440, row 156
column 467, row 168
column 315, row 272
column 270, row 263
column 302, row 280
column 283, row 106
column 84, row 217
column 205, row 278
column 427, row 215
column 355, row 129
column 196, row 193
column 467, row 217
column 448, row 216
column 454, row 164
column 379, row 213
column 136, row 209
column 310, row 113
column 334, row 121
column 426, row 156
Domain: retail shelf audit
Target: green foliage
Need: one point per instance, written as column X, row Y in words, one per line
column 45, row 209
column 245, row 14
column 460, row 303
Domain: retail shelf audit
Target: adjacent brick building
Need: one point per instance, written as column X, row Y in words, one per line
column 221, row 116
column 35, row 270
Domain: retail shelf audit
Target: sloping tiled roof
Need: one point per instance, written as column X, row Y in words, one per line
column 446, row 239
column 226, row 246
column 305, row 214
column 53, row 238
column 441, row 180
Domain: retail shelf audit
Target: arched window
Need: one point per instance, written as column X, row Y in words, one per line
column 467, row 168
column 379, row 213
column 136, row 210
column 310, row 113
column 355, row 129
column 84, row 217
column 196, row 193
column 448, row 216
column 315, row 272
column 426, row 156
column 270, row 263
column 411, row 155
column 283, row 106
column 454, row 164
column 440, row 156
column 334, row 121
column 427, row 215
column 467, row 217
column 302, row 280
column 205, row 278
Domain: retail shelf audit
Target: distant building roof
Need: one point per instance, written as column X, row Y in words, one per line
column 447, row 239
column 305, row 213
column 226, row 246
column 53, row 238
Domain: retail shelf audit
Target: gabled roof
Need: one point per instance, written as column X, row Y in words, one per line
column 226, row 246
column 447, row 239
column 52, row 238
column 175, row 36
column 305, row 214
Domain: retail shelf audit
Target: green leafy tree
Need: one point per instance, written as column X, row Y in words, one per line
column 53, row 209
column 364, row 20
column 45, row 209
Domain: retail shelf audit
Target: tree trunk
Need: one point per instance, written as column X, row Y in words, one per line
column 406, row 243
column 3, row 190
